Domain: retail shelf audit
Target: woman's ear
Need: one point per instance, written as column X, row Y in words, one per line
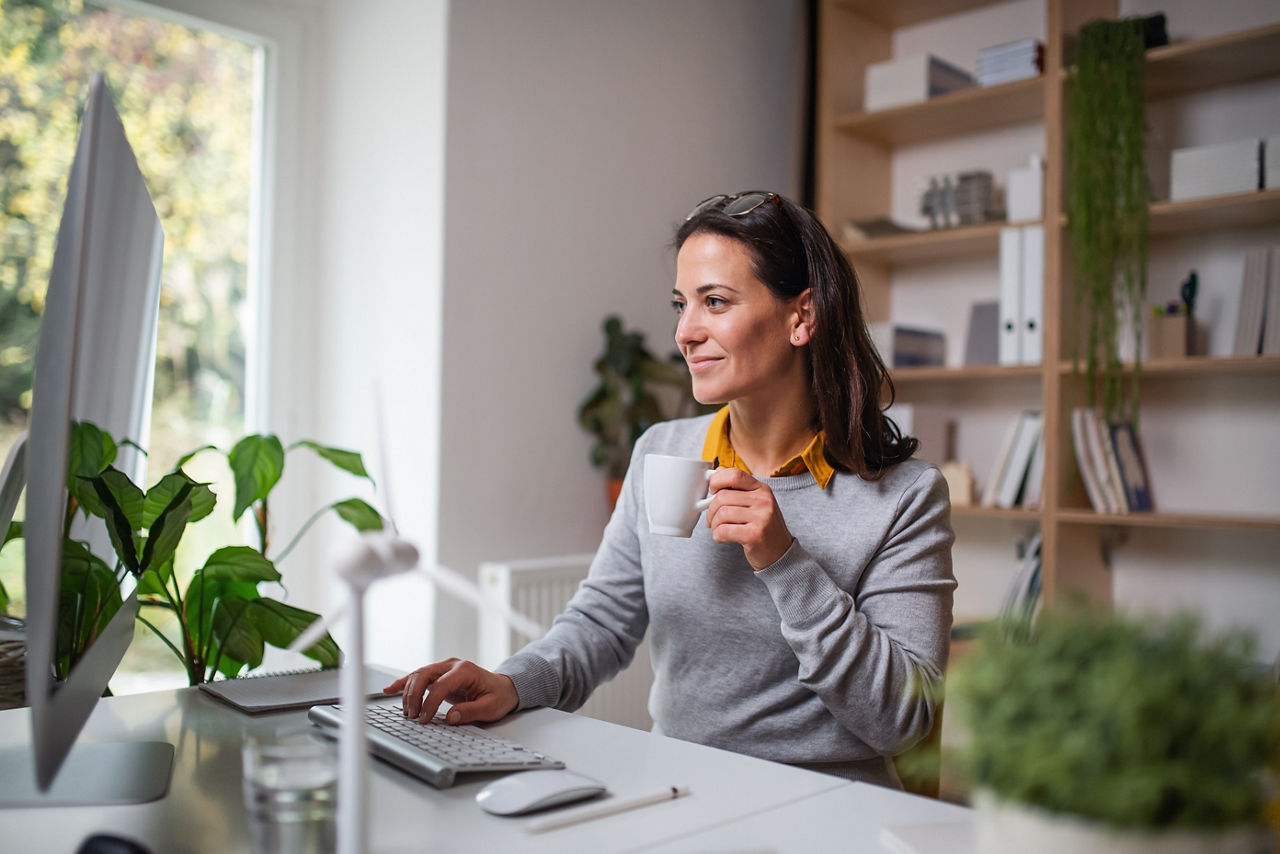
column 802, row 318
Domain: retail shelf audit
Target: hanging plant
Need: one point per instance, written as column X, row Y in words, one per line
column 1107, row 205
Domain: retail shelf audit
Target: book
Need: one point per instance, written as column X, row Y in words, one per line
column 984, row 333
column 1084, row 459
column 1133, row 468
column 291, row 689
column 907, row 346
column 1271, row 319
column 1009, row 349
column 991, row 488
column 1104, row 457
column 1024, row 591
column 909, row 80
column 1032, row 493
column 1253, row 302
column 1015, row 471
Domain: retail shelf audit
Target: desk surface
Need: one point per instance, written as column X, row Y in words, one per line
column 736, row 801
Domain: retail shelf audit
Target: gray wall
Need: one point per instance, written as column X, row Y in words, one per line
column 578, row 133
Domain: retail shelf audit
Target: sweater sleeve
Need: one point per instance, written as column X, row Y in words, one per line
column 597, row 635
column 875, row 656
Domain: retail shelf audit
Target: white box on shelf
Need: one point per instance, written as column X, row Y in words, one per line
column 909, row 80
column 1271, row 163
column 1215, row 170
column 1024, row 193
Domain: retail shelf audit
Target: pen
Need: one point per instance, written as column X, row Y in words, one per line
column 604, row 808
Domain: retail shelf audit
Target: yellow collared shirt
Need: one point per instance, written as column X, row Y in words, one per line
column 718, row 447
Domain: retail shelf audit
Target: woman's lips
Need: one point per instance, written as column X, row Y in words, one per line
column 698, row 364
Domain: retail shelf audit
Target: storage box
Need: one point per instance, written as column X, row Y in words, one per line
column 1169, row 337
column 1024, row 195
column 1216, row 170
column 910, row 80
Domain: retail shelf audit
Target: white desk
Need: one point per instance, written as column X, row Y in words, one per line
column 736, row 802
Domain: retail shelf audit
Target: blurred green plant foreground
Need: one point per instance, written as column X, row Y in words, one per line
column 1136, row 723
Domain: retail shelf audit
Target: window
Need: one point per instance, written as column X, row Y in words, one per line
column 187, row 98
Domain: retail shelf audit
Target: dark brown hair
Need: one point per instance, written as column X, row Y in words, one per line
column 792, row 252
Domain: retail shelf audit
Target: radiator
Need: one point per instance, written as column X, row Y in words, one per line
column 541, row 588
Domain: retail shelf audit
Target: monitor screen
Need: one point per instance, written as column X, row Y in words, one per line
column 95, row 362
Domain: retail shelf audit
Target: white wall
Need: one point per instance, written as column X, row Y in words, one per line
column 579, row 133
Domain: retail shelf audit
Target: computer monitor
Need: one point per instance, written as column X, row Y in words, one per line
column 95, row 362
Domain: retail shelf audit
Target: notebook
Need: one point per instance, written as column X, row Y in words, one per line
column 295, row 689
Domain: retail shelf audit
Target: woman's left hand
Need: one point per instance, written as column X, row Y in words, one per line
column 743, row 510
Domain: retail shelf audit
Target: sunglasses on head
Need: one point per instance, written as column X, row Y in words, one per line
column 738, row 204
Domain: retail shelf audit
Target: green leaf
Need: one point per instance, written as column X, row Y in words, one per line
column 349, row 461
column 112, row 494
column 280, row 625
column 205, row 595
column 14, row 532
column 359, row 514
column 257, row 463
column 159, row 497
column 240, row 563
column 90, row 451
column 166, row 532
column 88, row 598
column 154, row 579
column 236, row 635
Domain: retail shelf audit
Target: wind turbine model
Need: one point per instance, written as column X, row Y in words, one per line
column 380, row 554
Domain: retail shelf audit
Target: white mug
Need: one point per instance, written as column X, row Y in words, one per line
column 675, row 493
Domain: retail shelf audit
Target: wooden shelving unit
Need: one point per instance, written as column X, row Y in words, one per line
column 855, row 157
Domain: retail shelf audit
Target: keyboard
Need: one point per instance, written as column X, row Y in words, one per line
column 434, row 752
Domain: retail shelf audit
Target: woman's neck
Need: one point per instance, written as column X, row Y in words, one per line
column 767, row 434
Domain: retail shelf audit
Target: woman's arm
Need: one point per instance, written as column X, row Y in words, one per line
column 876, row 657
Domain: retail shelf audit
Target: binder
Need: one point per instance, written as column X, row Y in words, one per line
column 1010, row 351
column 1271, row 325
column 1031, row 347
column 1253, row 303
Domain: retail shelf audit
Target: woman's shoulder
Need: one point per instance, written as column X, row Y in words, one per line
column 909, row 476
column 679, row 437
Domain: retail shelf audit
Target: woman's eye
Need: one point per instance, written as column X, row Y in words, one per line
column 677, row 306
column 716, row 302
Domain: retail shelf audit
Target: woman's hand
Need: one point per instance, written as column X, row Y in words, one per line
column 476, row 694
column 743, row 510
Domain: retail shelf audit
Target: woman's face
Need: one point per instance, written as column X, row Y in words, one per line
column 735, row 335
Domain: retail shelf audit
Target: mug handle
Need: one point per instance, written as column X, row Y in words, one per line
column 703, row 503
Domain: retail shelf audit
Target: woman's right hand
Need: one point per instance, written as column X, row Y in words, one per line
column 477, row 694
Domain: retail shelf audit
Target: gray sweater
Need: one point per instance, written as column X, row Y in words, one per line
column 828, row 658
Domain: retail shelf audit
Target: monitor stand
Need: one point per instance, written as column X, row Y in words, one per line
column 92, row 775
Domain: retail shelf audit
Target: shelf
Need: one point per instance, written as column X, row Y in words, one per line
column 1168, row 520
column 1238, row 57
column 973, row 511
column 1239, row 210
column 964, row 112
column 1195, row 366
column 983, row 372
column 903, row 13
column 941, row 244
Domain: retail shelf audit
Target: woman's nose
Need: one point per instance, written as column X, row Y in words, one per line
column 687, row 328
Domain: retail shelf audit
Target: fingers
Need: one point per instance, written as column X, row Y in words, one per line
column 415, row 684
column 744, row 511
column 491, row 706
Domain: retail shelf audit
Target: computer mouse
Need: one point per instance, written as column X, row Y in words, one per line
column 526, row 791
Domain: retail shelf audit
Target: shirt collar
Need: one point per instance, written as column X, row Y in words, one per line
column 718, row 449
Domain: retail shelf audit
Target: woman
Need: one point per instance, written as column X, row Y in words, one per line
column 808, row 622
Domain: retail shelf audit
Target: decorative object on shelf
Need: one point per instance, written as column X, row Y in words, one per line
column 222, row 620
column 960, row 482
column 1146, row 735
column 881, row 226
column 1107, row 203
column 623, row 405
column 970, row 200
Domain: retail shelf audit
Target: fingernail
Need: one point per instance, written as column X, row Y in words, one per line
column 452, row 717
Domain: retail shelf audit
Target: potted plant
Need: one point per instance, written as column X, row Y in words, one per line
column 1107, row 195
column 1090, row 732
column 624, row 404
column 222, row 621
